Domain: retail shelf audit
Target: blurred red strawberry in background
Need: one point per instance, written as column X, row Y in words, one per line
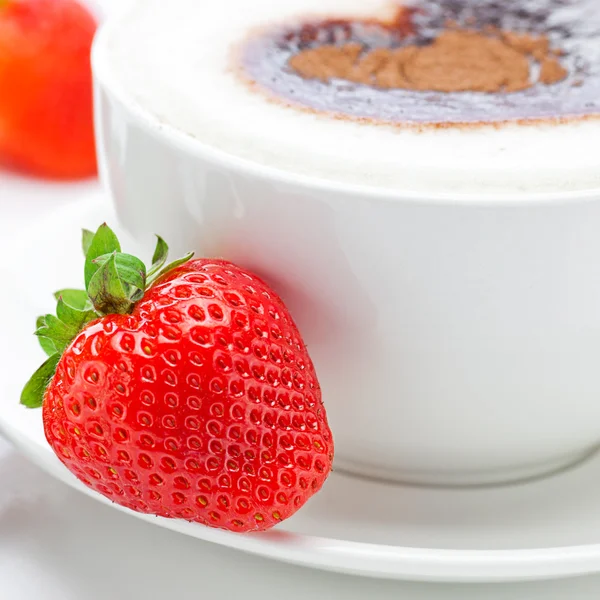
column 46, row 126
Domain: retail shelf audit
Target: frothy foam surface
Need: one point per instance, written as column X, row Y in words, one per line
column 176, row 58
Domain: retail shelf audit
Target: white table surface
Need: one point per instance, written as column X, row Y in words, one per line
column 56, row 544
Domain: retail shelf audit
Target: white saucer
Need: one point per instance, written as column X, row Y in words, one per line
column 539, row 530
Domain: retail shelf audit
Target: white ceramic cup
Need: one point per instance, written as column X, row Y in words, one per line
column 457, row 340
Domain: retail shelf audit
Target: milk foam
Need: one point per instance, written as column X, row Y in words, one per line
column 175, row 59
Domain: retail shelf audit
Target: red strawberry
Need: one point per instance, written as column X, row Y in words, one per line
column 46, row 125
column 183, row 392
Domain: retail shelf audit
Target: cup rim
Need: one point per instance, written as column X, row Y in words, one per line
column 103, row 75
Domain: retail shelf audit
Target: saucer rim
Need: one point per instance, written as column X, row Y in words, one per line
column 378, row 561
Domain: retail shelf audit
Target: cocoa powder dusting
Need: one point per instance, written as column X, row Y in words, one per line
column 551, row 71
column 439, row 63
column 457, row 60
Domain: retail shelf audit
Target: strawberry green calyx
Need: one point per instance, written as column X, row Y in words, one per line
column 114, row 283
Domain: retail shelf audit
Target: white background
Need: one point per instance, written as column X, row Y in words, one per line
column 56, row 544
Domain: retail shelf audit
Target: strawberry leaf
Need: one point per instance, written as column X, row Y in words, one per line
column 160, row 256
column 32, row 395
column 170, row 267
column 58, row 332
column 73, row 317
column 75, row 298
column 86, row 240
column 131, row 270
column 46, row 343
column 107, row 291
column 103, row 242
column 176, row 263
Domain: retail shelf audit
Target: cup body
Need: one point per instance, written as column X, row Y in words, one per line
column 457, row 340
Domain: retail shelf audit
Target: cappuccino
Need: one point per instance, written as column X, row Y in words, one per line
column 227, row 74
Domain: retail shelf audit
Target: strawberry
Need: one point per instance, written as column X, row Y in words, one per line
column 46, row 125
column 183, row 391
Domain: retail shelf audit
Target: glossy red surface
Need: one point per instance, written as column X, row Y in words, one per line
column 202, row 405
